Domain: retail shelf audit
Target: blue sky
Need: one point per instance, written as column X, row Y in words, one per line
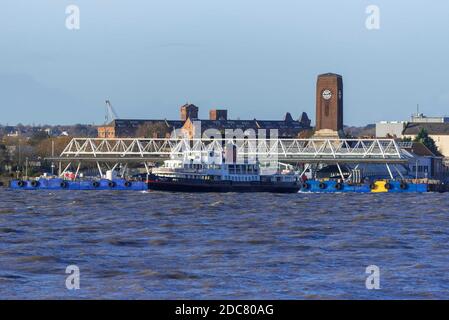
column 257, row 58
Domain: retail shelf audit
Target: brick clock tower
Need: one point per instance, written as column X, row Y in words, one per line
column 329, row 106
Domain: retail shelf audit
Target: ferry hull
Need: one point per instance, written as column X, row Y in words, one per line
column 222, row 186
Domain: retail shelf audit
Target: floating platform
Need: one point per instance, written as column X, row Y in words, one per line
column 379, row 186
column 61, row 184
column 310, row 186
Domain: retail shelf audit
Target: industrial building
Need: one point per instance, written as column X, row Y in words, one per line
column 189, row 123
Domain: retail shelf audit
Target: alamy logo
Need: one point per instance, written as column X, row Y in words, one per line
column 373, row 20
column 250, row 146
column 72, row 22
column 72, row 282
column 373, row 280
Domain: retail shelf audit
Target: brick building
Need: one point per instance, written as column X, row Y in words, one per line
column 127, row 128
column 287, row 128
column 218, row 119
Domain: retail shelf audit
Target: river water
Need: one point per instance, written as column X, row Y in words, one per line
column 155, row 245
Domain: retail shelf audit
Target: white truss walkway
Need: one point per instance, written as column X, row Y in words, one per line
column 287, row 150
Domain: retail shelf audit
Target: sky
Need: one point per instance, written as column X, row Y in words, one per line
column 256, row 58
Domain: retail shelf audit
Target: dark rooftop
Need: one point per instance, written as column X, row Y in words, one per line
column 420, row 149
column 431, row 128
column 118, row 123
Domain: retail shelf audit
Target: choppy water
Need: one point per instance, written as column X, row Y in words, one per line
column 170, row 245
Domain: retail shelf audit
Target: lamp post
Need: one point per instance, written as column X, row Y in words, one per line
column 416, row 169
column 52, row 155
column 26, row 168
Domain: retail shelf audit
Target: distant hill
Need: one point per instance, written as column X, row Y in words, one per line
column 360, row 132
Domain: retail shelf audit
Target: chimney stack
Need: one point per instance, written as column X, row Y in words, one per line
column 189, row 111
column 216, row 114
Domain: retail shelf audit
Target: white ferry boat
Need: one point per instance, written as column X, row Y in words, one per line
column 211, row 173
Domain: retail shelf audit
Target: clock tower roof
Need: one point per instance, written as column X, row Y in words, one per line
column 330, row 74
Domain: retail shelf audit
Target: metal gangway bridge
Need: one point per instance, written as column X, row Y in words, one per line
column 293, row 151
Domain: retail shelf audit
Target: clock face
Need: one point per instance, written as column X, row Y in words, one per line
column 327, row 94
